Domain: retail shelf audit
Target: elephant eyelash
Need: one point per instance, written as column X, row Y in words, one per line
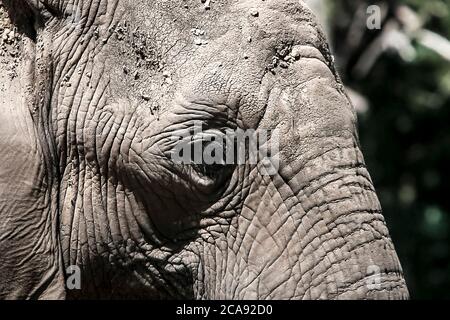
column 212, row 171
column 215, row 171
column 209, row 170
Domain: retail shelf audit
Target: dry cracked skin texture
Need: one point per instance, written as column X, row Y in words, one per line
column 9, row 43
column 98, row 89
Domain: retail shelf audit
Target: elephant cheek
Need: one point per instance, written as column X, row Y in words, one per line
column 317, row 234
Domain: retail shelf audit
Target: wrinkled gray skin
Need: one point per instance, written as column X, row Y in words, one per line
column 86, row 178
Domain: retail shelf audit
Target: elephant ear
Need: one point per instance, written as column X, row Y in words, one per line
column 31, row 264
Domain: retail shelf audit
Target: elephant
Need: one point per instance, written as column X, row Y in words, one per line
column 90, row 100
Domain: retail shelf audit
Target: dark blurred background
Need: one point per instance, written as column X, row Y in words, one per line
column 398, row 77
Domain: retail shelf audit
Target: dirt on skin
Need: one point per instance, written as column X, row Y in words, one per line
column 10, row 41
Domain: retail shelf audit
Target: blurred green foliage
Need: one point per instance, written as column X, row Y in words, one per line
column 405, row 136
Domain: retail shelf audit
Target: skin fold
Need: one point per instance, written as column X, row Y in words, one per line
column 86, row 176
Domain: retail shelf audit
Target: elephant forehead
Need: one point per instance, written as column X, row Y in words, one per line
column 218, row 49
column 150, row 51
column 268, row 18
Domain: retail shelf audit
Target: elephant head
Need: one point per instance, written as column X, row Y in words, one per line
column 108, row 84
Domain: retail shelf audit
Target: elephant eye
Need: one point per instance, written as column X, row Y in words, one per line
column 208, row 157
column 213, row 171
column 204, row 156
